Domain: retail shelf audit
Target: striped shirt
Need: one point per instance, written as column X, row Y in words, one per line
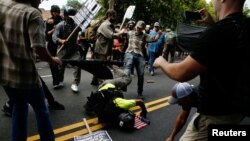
column 21, row 29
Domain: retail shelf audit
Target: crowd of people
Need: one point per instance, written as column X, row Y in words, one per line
column 22, row 36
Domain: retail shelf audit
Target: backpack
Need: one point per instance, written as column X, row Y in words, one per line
column 188, row 36
column 91, row 31
column 126, row 120
column 101, row 103
column 171, row 38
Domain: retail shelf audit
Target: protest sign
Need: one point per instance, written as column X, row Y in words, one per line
column 129, row 13
column 83, row 17
column 101, row 135
column 87, row 13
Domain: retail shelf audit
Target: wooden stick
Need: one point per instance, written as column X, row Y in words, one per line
column 71, row 34
column 87, row 125
column 122, row 23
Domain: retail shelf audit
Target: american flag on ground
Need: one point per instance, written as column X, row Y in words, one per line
column 139, row 124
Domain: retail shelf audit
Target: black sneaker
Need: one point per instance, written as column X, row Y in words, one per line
column 94, row 82
column 140, row 96
column 56, row 86
column 88, row 110
column 7, row 110
column 56, row 106
column 124, row 88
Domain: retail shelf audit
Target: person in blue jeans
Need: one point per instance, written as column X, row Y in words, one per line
column 52, row 103
column 138, row 61
column 134, row 53
column 21, row 100
column 155, row 49
column 22, row 33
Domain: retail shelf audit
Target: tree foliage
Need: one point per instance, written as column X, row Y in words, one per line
column 246, row 11
column 168, row 12
column 74, row 3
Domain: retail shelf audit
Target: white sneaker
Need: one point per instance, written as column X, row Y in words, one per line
column 74, row 88
column 152, row 73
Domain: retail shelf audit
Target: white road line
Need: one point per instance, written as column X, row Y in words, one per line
column 44, row 76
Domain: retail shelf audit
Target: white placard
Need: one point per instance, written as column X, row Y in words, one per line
column 129, row 12
column 95, row 136
column 87, row 13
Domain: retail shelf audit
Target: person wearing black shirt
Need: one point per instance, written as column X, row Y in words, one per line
column 52, row 47
column 216, row 62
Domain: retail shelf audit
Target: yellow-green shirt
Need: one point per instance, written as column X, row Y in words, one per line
column 124, row 103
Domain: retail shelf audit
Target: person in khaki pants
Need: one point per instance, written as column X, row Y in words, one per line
column 105, row 37
column 69, row 48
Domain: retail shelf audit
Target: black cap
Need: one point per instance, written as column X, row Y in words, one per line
column 55, row 8
column 69, row 12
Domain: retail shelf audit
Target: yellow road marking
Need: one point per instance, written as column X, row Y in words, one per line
column 80, row 132
column 76, row 125
column 95, row 120
column 66, row 128
column 100, row 126
column 152, row 102
column 157, row 107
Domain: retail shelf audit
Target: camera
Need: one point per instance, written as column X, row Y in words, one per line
column 189, row 15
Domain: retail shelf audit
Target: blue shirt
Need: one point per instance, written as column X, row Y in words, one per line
column 158, row 45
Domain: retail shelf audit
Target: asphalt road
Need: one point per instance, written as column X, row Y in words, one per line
column 69, row 123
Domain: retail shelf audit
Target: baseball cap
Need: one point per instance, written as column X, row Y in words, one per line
column 131, row 22
column 140, row 24
column 156, row 24
column 168, row 29
column 180, row 90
